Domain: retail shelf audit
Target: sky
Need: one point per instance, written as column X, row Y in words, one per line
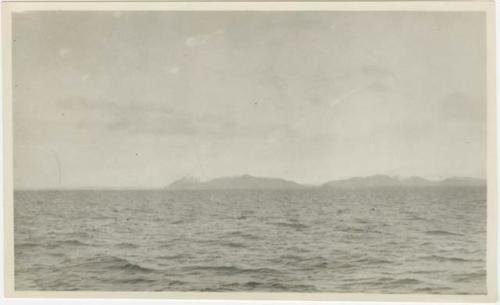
column 139, row 99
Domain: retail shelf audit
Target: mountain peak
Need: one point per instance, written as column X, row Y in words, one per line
column 247, row 181
column 238, row 182
column 386, row 181
column 459, row 181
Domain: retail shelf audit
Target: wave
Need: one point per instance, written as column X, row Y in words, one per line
column 242, row 235
column 356, row 230
column 78, row 235
column 126, row 246
column 232, row 245
column 292, row 288
column 344, row 266
column 265, row 286
column 296, row 249
column 361, row 220
column 405, row 281
column 113, row 263
column 136, row 280
column 416, row 217
column 172, row 257
column 253, row 284
column 176, row 282
column 297, row 226
column 375, row 261
column 26, row 245
column 433, row 290
column 218, row 243
column 424, row 271
column 302, row 263
column 134, row 267
column 440, row 258
column 467, row 277
column 442, row 232
column 320, row 265
column 69, row 242
column 52, row 244
column 385, row 282
column 291, row 257
column 231, row 270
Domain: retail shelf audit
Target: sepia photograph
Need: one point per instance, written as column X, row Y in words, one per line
column 250, row 149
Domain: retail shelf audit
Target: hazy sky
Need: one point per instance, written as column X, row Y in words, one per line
column 138, row 99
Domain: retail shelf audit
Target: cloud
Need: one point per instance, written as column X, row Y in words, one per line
column 374, row 71
column 174, row 70
column 462, row 107
column 111, row 107
column 225, row 126
column 368, row 78
column 380, row 79
column 85, row 77
column 64, row 51
column 133, row 117
column 350, row 93
column 156, row 119
column 159, row 124
column 199, row 40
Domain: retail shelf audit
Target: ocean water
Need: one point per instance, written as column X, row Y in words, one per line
column 388, row 240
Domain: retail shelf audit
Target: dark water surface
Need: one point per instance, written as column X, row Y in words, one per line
column 389, row 240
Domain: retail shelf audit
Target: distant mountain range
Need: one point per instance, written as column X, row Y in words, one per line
column 385, row 181
column 251, row 182
column 239, row 182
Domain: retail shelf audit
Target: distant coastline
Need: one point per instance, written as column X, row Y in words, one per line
column 253, row 182
column 249, row 182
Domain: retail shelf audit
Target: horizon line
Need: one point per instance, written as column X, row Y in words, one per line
column 145, row 188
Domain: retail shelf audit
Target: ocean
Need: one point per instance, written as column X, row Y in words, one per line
column 407, row 240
